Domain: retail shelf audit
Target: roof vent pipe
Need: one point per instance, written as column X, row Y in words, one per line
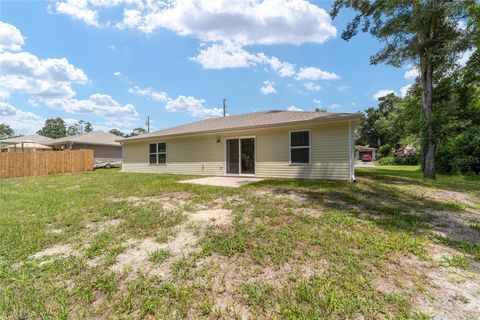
column 224, row 106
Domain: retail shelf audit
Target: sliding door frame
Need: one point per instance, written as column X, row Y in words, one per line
column 240, row 156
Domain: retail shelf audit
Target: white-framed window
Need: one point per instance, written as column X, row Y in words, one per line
column 300, row 147
column 157, row 153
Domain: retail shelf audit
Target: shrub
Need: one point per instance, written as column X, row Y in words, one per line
column 386, row 150
column 397, row 161
column 461, row 153
column 386, row 161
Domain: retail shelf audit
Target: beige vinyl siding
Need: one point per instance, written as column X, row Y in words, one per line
column 203, row 155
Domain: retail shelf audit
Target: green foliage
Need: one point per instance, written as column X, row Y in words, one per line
column 386, row 161
column 397, row 161
column 53, row 128
column 79, row 127
column 117, row 132
column 461, row 153
column 136, row 132
column 386, row 150
column 424, row 33
column 6, row 131
column 382, row 125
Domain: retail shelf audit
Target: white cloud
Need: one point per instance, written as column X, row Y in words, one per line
column 117, row 74
column 22, row 122
column 411, row 73
column 78, row 9
column 293, row 108
column 193, row 106
column 382, row 93
column 312, row 86
column 245, row 22
column 283, row 69
column 25, row 73
column 10, row 38
column 312, row 73
column 159, row 96
column 231, row 55
column 102, row 105
column 404, row 90
column 268, row 87
column 225, row 55
column 343, row 88
column 317, row 102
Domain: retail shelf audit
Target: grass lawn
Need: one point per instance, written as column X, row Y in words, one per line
column 107, row 244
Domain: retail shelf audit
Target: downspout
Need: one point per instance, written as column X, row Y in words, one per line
column 351, row 152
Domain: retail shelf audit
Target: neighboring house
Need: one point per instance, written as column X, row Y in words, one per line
column 283, row 144
column 104, row 145
column 407, row 151
column 33, row 142
column 361, row 151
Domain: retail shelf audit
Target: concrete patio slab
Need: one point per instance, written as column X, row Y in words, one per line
column 233, row 182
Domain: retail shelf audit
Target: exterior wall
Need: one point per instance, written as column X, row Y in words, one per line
column 101, row 152
column 203, row 155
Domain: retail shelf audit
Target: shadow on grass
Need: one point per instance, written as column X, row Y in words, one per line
column 387, row 203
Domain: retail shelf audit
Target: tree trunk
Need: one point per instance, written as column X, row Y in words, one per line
column 429, row 145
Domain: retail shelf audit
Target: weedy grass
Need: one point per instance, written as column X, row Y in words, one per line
column 275, row 260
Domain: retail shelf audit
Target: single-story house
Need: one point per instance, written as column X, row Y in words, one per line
column 361, row 151
column 104, row 145
column 32, row 142
column 278, row 143
column 407, row 151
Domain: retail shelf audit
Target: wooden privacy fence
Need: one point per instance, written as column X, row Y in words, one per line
column 39, row 163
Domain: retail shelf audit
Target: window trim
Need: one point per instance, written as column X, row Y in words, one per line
column 157, row 153
column 300, row 147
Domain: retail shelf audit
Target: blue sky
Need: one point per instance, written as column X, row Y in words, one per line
column 113, row 62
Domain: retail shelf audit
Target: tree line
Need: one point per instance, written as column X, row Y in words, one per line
column 431, row 35
column 396, row 122
column 56, row 128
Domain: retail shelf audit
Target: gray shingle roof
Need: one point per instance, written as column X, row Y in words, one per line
column 32, row 137
column 248, row 120
column 96, row 137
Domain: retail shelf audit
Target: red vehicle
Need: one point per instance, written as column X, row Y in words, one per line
column 366, row 158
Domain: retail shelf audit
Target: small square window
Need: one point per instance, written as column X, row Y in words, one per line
column 300, row 139
column 300, row 155
column 162, row 158
column 162, row 147
column 153, row 148
column 153, row 159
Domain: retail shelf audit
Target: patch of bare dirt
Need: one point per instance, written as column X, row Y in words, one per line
column 292, row 195
column 227, row 276
column 58, row 250
column 315, row 213
column 456, row 224
column 453, row 292
column 170, row 201
column 137, row 256
column 449, row 196
column 104, row 225
column 215, row 216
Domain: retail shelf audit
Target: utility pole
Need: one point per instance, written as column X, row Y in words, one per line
column 224, row 107
column 148, row 123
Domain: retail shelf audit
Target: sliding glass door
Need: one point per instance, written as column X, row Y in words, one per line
column 240, row 156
